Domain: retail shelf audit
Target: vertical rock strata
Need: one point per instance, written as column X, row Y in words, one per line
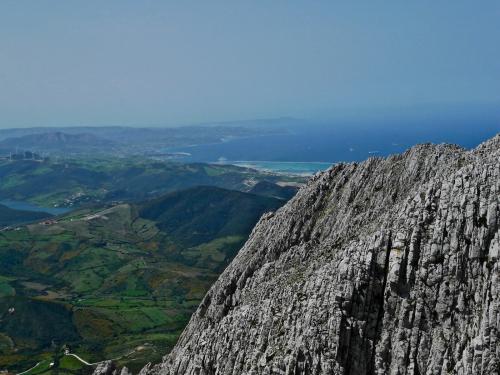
column 389, row 266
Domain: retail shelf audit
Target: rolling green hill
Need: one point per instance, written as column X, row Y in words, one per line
column 196, row 215
column 270, row 189
column 79, row 182
column 117, row 282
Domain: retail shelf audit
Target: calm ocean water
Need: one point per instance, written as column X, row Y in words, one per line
column 306, row 149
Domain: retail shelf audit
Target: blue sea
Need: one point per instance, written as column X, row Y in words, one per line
column 307, row 148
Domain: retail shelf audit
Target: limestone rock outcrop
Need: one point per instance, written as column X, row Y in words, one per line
column 389, row 266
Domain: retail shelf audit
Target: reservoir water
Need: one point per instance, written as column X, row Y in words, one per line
column 27, row 206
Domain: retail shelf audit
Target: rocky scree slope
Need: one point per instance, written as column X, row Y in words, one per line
column 385, row 267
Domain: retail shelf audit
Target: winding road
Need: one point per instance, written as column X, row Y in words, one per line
column 82, row 360
column 78, row 358
column 34, row 367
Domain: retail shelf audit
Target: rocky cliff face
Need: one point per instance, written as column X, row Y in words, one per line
column 389, row 266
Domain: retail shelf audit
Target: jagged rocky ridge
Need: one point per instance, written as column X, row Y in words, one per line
column 389, row 266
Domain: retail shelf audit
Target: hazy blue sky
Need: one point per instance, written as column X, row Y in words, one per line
column 171, row 62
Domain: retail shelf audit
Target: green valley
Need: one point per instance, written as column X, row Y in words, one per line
column 118, row 281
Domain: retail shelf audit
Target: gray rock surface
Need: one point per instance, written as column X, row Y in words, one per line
column 109, row 368
column 389, row 266
column 105, row 368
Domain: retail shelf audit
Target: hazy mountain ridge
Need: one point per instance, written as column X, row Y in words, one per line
column 55, row 140
column 387, row 266
column 122, row 140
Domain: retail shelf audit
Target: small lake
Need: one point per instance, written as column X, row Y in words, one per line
column 27, row 206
